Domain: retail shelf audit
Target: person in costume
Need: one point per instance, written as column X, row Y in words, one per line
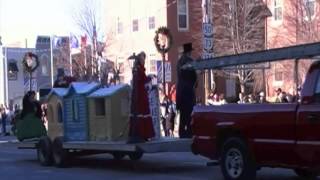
column 141, row 126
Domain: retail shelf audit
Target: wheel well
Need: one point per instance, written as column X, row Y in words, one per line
column 224, row 134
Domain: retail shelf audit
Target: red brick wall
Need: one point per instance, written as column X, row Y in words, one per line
column 194, row 35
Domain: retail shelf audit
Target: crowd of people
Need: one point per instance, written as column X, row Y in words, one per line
column 7, row 116
column 280, row 97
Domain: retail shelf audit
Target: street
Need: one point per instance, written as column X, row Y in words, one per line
column 22, row 164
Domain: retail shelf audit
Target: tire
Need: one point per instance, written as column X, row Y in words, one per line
column 135, row 156
column 236, row 161
column 44, row 151
column 306, row 173
column 118, row 155
column 59, row 154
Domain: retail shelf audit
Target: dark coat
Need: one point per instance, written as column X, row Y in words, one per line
column 187, row 78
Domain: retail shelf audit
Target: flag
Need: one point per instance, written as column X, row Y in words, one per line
column 83, row 41
column 94, row 32
column 74, row 44
column 59, row 41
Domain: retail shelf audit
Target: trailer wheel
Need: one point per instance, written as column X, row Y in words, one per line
column 59, row 154
column 306, row 173
column 135, row 156
column 118, row 155
column 236, row 162
column 44, row 151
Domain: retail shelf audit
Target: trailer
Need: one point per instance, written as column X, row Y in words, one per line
column 59, row 152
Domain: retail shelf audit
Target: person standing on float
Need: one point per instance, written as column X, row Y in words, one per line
column 141, row 127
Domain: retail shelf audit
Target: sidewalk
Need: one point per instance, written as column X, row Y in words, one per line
column 5, row 139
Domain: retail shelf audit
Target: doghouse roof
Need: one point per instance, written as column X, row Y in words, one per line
column 108, row 91
column 82, row 87
column 61, row 92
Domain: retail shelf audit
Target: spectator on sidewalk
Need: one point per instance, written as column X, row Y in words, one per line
column 3, row 119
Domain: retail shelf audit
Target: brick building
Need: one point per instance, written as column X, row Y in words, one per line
column 293, row 22
column 132, row 33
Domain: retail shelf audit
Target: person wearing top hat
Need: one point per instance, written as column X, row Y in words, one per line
column 185, row 95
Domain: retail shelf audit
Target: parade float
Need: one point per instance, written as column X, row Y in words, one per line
column 87, row 118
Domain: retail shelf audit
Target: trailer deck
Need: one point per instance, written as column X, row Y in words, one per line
column 154, row 146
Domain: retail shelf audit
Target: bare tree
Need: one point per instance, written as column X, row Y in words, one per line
column 88, row 19
column 241, row 29
column 300, row 25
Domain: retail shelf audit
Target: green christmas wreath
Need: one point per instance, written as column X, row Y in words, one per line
column 165, row 32
column 33, row 63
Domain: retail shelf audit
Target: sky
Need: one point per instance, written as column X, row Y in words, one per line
column 25, row 19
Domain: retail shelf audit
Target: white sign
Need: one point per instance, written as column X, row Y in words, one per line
column 208, row 44
column 167, row 68
column 154, row 106
column 206, row 55
column 207, row 29
column 207, row 41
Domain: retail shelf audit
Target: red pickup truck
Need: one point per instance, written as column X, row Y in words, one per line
column 243, row 138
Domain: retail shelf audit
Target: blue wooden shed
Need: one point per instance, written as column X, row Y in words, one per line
column 76, row 111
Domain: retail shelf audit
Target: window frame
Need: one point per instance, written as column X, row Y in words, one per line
column 276, row 5
column 152, row 22
column 96, row 107
column 153, row 66
column 277, row 71
column 119, row 27
column 306, row 10
column 187, row 16
column 135, row 26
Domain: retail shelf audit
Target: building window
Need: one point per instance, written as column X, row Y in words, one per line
column 310, row 8
column 120, row 27
column 182, row 14
column 135, row 25
column 100, row 107
column 13, row 71
column 44, row 59
column 153, row 66
column 152, row 23
column 277, row 10
column 278, row 75
column 121, row 67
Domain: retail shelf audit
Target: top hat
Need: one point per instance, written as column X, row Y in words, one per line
column 187, row 47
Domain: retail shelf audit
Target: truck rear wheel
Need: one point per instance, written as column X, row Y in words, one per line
column 306, row 173
column 44, row 151
column 236, row 162
column 59, row 154
column 118, row 155
column 135, row 155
